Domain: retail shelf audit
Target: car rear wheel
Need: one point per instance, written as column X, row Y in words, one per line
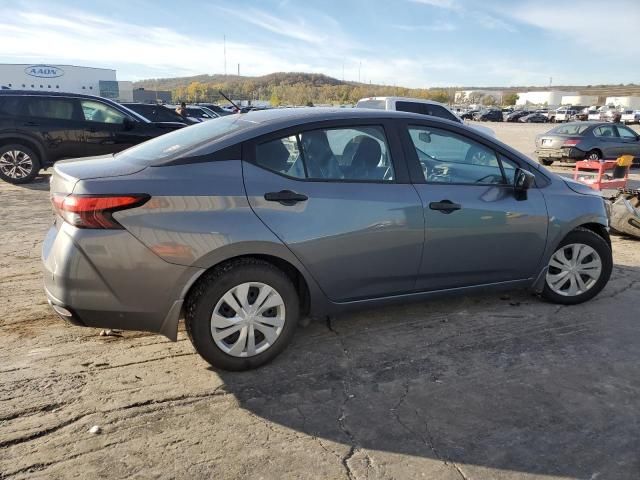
column 545, row 161
column 594, row 155
column 242, row 315
column 18, row 164
column 579, row 268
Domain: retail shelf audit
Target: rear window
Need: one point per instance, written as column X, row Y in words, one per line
column 181, row 142
column 577, row 129
column 377, row 104
column 55, row 108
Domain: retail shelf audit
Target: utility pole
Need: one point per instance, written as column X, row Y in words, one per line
column 343, row 70
column 224, row 50
column 238, row 69
column 359, row 67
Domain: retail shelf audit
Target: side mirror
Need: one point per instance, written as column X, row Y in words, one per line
column 424, row 137
column 523, row 180
column 128, row 124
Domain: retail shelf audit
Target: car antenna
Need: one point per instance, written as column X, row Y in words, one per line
column 230, row 101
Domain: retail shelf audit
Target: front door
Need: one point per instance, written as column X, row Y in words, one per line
column 477, row 230
column 333, row 196
column 629, row 142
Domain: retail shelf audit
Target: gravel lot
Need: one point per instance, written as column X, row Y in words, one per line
column 492, row 387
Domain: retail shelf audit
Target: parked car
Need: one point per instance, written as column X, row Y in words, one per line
column 534, row 118
column 564, row 114
column 247, row 223
column 630, row 116
column 587, row 140
column 40, row 128
column 221, row 112
column 201, row 113
column 489, row 115
column 417, row 105
column 158, row 113
column 468, row 115
column 517, row 115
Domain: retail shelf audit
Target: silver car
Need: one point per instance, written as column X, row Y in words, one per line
column 243, row 225
column 587, row 141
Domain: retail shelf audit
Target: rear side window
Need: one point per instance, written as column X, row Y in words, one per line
column 55, row 108
column 9, row 105
column 426, row 109
column 576, row 129
column 357, row 153
column 605, row 131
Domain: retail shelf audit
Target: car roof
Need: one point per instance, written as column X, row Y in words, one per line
column 37, row 93
column 405, row 99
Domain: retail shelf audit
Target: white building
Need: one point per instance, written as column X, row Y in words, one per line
column 549, row 98
column 586, row 100
column 65, row 78
column 624, row 102
column 477, row 96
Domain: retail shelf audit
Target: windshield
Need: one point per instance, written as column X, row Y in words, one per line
column 575, row 129
column 181, row 142
column 377, row 104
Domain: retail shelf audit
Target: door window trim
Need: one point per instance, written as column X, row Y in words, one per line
column 394, row 146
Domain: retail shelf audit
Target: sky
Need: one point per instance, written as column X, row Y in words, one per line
column 413, row 43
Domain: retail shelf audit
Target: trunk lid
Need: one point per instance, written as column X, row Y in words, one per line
column 67, row 173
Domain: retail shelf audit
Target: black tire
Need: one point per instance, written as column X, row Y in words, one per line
column 595, row 153
column 209, row 290
column 603, row 249
column 546, row 162
column 32, row 168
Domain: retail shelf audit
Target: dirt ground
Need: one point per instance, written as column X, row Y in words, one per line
column 490, row 387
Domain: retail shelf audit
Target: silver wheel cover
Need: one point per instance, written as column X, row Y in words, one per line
column 574, row 269
column 248, row 319
column 15, row 164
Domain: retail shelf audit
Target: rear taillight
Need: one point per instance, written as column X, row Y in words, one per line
column 572, row 142
column 94, row 211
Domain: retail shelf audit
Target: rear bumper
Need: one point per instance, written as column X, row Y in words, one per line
column 108, row 279
column 562, row 154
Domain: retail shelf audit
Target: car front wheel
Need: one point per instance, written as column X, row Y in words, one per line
column 18, row 164
column 579, row 268
column 242, row 315
column 546, row 162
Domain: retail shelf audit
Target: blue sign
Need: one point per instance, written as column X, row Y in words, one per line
column 44, row 71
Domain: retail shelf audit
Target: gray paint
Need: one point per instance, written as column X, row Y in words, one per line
column 354, row 244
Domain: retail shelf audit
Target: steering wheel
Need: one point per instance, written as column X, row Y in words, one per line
column 478, row 156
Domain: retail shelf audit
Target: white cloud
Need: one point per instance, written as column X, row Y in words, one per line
column 591, row 23
column 447, row 4
column 434, row 27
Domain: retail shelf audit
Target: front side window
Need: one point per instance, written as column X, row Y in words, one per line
column 447, row 157
column 625, row 132
column 100, row 113
column 358, row 153
column 55, row 108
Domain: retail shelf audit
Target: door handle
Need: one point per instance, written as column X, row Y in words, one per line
column 285, row 197
column 445, row 206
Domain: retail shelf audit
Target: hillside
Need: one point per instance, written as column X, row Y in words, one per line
column 297, row 88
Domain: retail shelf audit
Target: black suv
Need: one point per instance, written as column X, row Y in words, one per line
column 157, row 113
column 39, row 128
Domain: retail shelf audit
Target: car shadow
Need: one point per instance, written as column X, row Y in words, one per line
column 41, row 182
column 505, row 382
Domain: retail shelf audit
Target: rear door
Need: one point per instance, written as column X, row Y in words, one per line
column 477, row 231
column 57, row 122
column 338, row 196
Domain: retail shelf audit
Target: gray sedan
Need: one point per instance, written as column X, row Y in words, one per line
column 245, row 224
column 587, row 140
